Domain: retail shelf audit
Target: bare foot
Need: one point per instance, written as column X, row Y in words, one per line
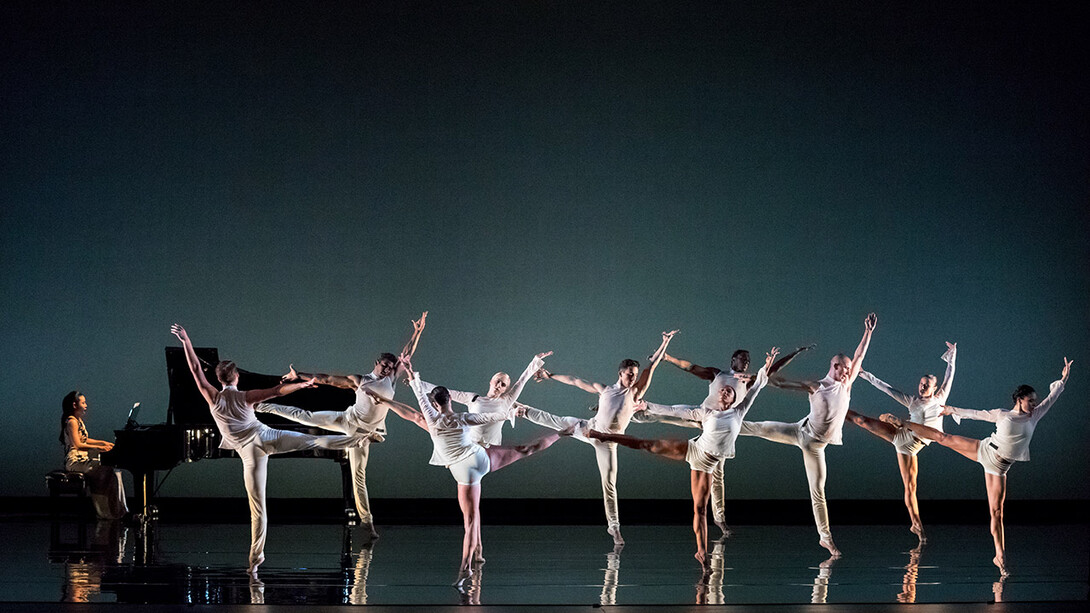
column 1001, row 565
column 615, row 532
column 727, row 532
column 833, row 551
column 918, row 531
column 252, row 569
column 891, row 419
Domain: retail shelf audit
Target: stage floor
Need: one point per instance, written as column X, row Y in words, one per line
column 51, row 562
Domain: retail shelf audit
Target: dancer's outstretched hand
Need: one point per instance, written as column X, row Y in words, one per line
column 870, row 322
column 1067, row 369
column 179, row 331
column 542, row 375
column 640, row 406
column 291, row 375
column 542, row 356
column 418, row 324
column 669, row 335
column 770, row 357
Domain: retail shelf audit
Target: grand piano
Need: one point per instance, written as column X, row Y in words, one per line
column 190, row 434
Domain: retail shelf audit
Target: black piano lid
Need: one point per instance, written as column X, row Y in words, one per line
column 188, row 408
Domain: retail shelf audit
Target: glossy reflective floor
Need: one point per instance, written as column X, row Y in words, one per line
column 326, row 564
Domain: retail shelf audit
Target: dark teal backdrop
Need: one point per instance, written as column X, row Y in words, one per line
column 294, row 185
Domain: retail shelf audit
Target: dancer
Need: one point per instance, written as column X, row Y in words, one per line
column 616, row 404
column 233, row 411
column 923, row 408
column 468, row 462
column 362, row 415
column 107, row 488
column 501, row 397
column 1008, row 444
column 736, row 377
column 829, row 400
column 705, row 452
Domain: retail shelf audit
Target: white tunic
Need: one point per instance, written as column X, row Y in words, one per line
column 828, row 408
column 364, row 412
column 450, row 432
column 1013, row 429
column 235, row 418
column 492, row 433
column 615, row 407
column 926, row 411
column 720, row 428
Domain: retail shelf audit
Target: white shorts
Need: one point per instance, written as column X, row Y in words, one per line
column 993, row 463
column 468, row 471
column 700, row 461
column 906, row 442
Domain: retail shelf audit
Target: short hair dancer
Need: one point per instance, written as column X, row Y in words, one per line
column 829, row 398
column 363, row 414
column 704, row 453
column 1008, row 444
column 501, row 396
column 925, row 407
column 467, row 461
column 737, row 377
column 233, row 411
column 616, row 404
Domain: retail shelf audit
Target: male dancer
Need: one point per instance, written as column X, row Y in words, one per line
column 233, row 411
column 829, row 400
column 616, row 404
column 735, row 377
column 363, row 415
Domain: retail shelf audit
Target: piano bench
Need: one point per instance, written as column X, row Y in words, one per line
column 65, row 482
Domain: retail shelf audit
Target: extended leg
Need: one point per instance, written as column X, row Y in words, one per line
column 775, row 431
column 700, row 484
column 669, row 448
column 997, row 494
column 554, row 422
column 878, row 428
column 254, row 474
column 502, row 455
column 338, row 421
column 967, row 447
column 909, row 471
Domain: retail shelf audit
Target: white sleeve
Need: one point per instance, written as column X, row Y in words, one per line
column 948, row 379
column 751, row 395
column 1054, row 391
column 895, row 394
column 533, row 367
column 426, row 407
column 992, row 415
column 689, row 412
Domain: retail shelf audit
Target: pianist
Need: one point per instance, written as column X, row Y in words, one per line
column 81, row 456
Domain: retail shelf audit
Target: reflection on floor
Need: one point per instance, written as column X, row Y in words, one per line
column 325, row 564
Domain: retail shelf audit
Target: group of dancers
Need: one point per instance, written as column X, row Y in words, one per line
column 470, row 445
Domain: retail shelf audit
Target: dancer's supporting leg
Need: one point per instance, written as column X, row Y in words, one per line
column 813, row 459
column 906, row 463
column 719, row 500
column 699, row 481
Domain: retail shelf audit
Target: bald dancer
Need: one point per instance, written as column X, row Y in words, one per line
column 829, row 399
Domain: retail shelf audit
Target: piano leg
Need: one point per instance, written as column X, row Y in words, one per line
column 143, row 481
column 351, row 517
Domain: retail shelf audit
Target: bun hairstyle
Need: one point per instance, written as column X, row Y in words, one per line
column 440, row 395
column 226, row 371
column 1022, row 391
column 68, row 409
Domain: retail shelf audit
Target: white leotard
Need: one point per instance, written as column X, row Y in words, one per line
column 450, row 432
column 1013, row 429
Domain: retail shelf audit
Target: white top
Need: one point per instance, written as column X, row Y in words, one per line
column 723, row 379
column 720, row 428
column 492, row 433
column 615, row 407
column 926, row 411
column 450, row 432
column 1013, row 429
column 235, row 418
column 365, row 413
column 828, row 408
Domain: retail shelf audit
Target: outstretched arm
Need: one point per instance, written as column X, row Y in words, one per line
column 948, row 379
column 889, row 390
column 348, row 382
column 785, row 360
column 207, row 389
column 1055, row 389
column 256, row 396
column 403, row 411
column 861, row 351
column 706, row 373
column 587, row 386
column 410, row 347
column 760, row 382
column 644, row 382
column 795, row 386
column 535, row 365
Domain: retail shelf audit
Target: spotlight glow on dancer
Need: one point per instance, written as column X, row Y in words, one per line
column 362, row 415
column 705, row 452
column 616, row 404
column 736, row 377
column 1008, row 444
column 233, row 411
column 467, row 461
column 923, row 408
column 829, row 398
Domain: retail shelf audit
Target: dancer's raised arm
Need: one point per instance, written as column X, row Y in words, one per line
column 950, row 357
column 759, row 382
column 587, row 386
column 889, row 390
column 256, row 396
column 706, row 373
column 410, row 347
column 208, row 391
column 348, row 382
column 532, row 368
column 785, row 360
column 640, row 388
column 861, row 351
column 403, row 411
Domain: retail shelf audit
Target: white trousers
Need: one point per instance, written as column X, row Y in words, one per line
column 107, row 488
column 604, row 453
column 813, row 458
column 255, row 462
column 337, row 421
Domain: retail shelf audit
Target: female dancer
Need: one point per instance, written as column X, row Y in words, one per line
column 721, row 426
column 107, row 489
column 501, row 397
column 923, row 408
column 1010, row 443
column 233, row 411
column 467, row 461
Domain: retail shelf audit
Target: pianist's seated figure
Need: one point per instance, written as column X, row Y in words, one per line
column 81, row 455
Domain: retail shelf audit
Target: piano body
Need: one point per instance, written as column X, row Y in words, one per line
column 190, row 434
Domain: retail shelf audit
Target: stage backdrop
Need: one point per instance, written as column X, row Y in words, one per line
column 295, row 186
